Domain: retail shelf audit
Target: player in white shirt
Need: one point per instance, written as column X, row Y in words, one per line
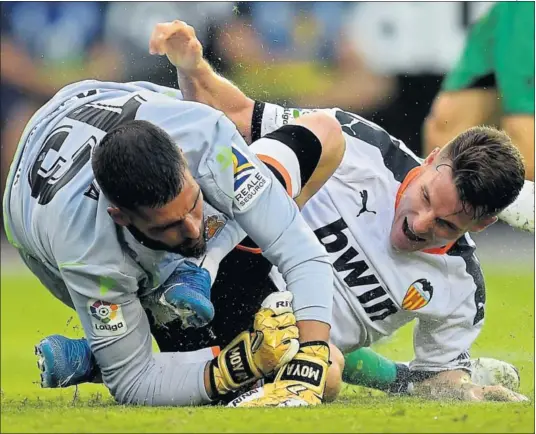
column 395, row 226
column 395, row 230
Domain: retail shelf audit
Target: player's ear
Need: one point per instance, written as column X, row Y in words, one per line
column 431, row 157
column 483, row 223
column 118, row 216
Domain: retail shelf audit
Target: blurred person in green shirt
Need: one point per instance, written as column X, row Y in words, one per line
column 492, row 83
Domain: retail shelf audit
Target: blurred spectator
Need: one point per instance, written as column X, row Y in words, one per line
column 44, row 46
column 128, row 27
column 412, row 44
column 296, row 53
column 492, row 83
column 382, row 60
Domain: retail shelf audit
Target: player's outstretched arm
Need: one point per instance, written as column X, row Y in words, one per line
column 457, row 385
column 440, row 368
column 197, row 80
column 520, row 128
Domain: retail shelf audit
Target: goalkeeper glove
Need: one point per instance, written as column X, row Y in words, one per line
column 252, row 355
column 300, row 383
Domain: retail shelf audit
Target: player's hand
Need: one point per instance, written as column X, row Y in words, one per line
column 178, row 42
column 300, row 383
column 252, row 355
column 457, row 385
column 492, row 393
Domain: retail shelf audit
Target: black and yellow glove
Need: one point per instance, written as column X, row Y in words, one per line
column 300, row 383
column 252, row 355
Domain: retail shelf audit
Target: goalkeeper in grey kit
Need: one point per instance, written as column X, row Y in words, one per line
column 113, row 194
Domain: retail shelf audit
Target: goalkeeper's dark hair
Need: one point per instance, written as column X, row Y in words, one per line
column 487, row 169
column 137, row 164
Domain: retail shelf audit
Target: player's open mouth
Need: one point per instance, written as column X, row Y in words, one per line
column 408, row 233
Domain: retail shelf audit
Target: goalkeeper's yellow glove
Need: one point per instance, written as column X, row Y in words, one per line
column 252, row 355
column 300, row 383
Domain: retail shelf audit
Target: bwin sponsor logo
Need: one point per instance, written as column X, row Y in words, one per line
column 347, row 258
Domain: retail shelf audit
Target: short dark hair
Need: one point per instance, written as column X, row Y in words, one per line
column 487, row 168
column 137, row 164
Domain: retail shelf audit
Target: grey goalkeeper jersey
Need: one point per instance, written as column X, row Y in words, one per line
column 56, row 216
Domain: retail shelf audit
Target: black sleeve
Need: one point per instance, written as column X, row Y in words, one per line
column 300, row 140
column 256, row 121
column 305, row 146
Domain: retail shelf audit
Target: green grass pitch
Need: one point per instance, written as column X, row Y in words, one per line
column 29, row 313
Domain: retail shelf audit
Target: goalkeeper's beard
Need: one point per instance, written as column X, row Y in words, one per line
column 189, row 249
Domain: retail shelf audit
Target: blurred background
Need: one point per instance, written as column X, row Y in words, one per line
column 385, row 61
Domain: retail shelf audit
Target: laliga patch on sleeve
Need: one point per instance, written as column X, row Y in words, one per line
column 106, row 318
column 249, row 181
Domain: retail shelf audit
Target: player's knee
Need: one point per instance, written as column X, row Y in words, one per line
column 439, row 124
column 449, row 116
column 334, row 377
column 454, row 112
column 520, row 128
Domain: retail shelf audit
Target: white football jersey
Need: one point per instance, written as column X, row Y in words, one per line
column 378, row 290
